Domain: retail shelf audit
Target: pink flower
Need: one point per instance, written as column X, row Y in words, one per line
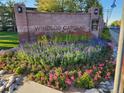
column 94, row 67
column 42, row 78
column 101, row 65
column 68, row 81
column 79, row 73
column 55, row 76
column 66, row 73
column 99, row 72
column 51, row 77
column 72, row 78
column 108, row 74
column 89, row 71
column 107, row 78
column 48, row 83
column 95, row 78
column 101, row 68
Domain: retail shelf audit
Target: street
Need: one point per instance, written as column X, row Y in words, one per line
column 115, row 38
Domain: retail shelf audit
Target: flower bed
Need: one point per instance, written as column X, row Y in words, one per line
column 62, row 65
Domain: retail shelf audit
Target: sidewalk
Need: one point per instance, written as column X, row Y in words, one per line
column 32, row 87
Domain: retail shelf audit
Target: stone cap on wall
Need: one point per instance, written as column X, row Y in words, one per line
column 94, row 11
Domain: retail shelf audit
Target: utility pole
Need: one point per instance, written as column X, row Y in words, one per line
column 118, row 70
column 108, row 13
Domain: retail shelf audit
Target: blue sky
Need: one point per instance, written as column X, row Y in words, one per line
column 116, row 13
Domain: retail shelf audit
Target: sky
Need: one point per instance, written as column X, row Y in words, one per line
column 115, row 15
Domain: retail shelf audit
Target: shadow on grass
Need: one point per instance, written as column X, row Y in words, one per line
column 5, row 48
column 8, row 40
column 9, row 43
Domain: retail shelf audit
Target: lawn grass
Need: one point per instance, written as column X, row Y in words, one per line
column 8, row 40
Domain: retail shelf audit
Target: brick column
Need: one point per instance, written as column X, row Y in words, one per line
column 22, row 23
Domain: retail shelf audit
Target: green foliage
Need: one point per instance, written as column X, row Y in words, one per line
column 60, row 66
column 8, row 40
column 39, row 75
column 85, row 81
column 7, row 13
column 106, row 34
column 70, row 38
column 21, row 55
column 62, row 37
column 67, row 5
column 58, row 71
column 116, row 23
column 57, row 5
column 62, row 83
column 20, row 70
column 93, row 3
column 55, row 55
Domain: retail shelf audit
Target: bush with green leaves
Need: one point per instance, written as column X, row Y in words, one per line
column 60, row 65
column 19, row 70
column 106, row 34
column 59, row 37
column 85, row 81
column 58, row 55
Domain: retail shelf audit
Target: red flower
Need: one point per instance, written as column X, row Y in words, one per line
column 89, row 71
column 68, row 81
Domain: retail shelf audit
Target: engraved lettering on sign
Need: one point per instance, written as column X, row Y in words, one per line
column 51, row 28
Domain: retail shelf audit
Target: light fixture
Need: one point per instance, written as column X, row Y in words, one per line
column 113, row 5
column 96, row 11
column 19, row 9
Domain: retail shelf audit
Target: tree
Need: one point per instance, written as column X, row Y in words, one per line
column 116, row 23
column 47, row 5
column 56, row 5
column 10, row 10
column 67, row 5
column 7, row 15
column 2, row 15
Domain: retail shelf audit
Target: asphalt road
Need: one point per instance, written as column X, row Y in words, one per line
column 115, row 36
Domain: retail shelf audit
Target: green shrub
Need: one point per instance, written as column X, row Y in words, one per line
column 85, row 81
column 106, row 34
column 62, row 37
column 21, row 55
column 38, row 75
column 19, row 70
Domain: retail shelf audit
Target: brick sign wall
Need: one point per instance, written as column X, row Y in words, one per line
column 31, row 24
